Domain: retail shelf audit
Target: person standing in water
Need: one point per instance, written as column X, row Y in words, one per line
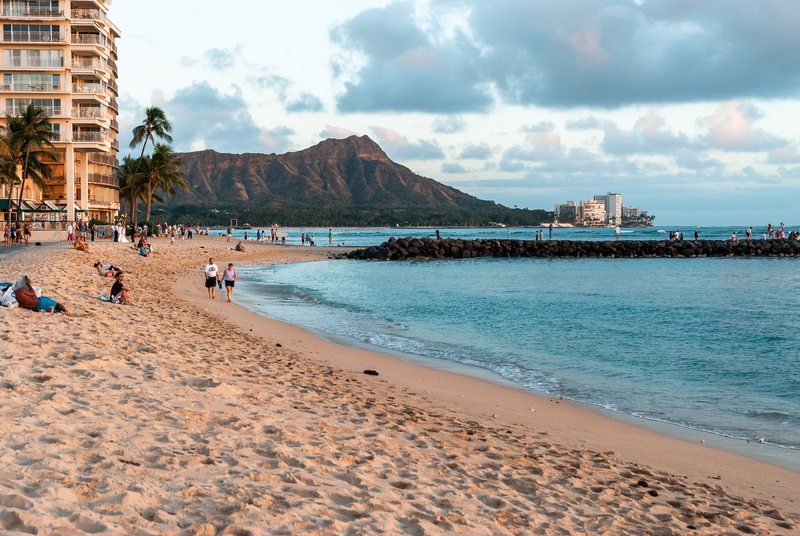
column 330, row 237
column 229, row 275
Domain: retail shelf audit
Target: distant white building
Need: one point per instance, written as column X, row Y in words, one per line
column 593, row 212
column 613, row 207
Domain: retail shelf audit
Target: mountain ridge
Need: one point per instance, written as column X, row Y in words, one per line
column 348, row 172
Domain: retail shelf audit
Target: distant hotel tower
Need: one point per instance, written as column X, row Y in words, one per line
column 61, row 56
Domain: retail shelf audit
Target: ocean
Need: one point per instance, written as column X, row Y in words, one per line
column 708, row 344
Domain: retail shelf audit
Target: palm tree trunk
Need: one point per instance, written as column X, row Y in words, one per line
column 22, row 186
column 149, row 201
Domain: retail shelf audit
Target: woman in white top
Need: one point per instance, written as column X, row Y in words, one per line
column 229, row 275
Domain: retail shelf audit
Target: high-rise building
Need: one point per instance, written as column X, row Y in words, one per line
column 566, row 212
column 593, row 213
column 613, row 204
column 61, row 56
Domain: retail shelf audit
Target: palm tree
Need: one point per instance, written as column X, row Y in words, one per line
column 162, row 172
column 8, row 168
column 130, row 184
column 29, row 136
column 155, row 124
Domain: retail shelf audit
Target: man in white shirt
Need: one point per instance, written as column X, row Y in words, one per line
column 211, row 270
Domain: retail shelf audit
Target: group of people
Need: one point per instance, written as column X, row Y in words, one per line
column 771, row 233
column 15, row 234
column 214, row 278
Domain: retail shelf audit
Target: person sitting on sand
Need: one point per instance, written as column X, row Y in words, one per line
column 81, row 245
column 27, row 299
column 105, row 269
column 119, row 292
column 240, row 247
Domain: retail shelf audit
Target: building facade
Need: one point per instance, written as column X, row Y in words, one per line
column 61, row 56
column 593, row 213
column 567, row 212
column 613, row 204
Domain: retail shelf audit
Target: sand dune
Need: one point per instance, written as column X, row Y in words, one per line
column 169, row 418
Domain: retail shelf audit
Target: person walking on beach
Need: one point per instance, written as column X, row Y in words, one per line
column 303, row 239
column 229, row 275
column 211, row 270
column 229, row 231
column 330, row 237
column 616, row 232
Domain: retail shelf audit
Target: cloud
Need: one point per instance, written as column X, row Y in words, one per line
column 481, row 151
column 449, row 125
column 571, row 53
column 398, row 147
column 203, row 117
column 543, row 126
column 731, row 128
column 404, row 68
column 221, row 58
column 306, row 102
column 650, row 135
column 585, row 123
column 453, row 169
column 281, row 87
column 338, row 133
column 789, row 154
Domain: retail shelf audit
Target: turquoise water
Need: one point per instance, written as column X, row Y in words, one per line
column 374, row 236
column 711, row 344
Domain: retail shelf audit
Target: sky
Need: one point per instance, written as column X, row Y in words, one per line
column 688, row 108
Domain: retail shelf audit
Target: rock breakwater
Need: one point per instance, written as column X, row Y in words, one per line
column 429, row 248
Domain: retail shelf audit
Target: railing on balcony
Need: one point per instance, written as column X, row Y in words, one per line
column 113, row 105
column 115, row 145
column 103, row 159
column 33, row 37
column 93, row 137
column 92, row 112
column 113, row 65
column 50, row 111
column 105, row 180
column 37, row 63
column 88, row 14
column 57, row 135
column 88, row 64
column 88, row 39
column 32, row 11
column 115, row 125
column 113, row 86
column 32, row 87
column 113, row 47
column 88, row 88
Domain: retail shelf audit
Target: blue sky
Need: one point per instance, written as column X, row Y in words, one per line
column 689, row 108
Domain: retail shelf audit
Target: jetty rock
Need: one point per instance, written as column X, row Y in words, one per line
column 455, row 248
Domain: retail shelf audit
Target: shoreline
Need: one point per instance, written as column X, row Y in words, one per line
column 173, row 417
column 714, row 455
column 781, row 456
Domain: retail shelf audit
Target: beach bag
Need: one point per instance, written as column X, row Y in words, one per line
column 9, row 299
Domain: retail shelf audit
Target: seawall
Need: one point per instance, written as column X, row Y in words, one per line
column 430, row 248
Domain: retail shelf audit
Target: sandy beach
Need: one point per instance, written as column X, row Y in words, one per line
column 186, row 415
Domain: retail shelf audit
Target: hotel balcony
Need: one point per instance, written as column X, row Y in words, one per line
column 34, row 37
column 115, row 125
column 88, row 15
column 28, row 87
column 50, row 111
column 31, row 12
column 112, row 85
column 113, row 65
column 89, row 65
column 113, row 105
column 92, row 88
column 38, row 64
column 103, row 160
column 89, row 112
column 89, row 137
